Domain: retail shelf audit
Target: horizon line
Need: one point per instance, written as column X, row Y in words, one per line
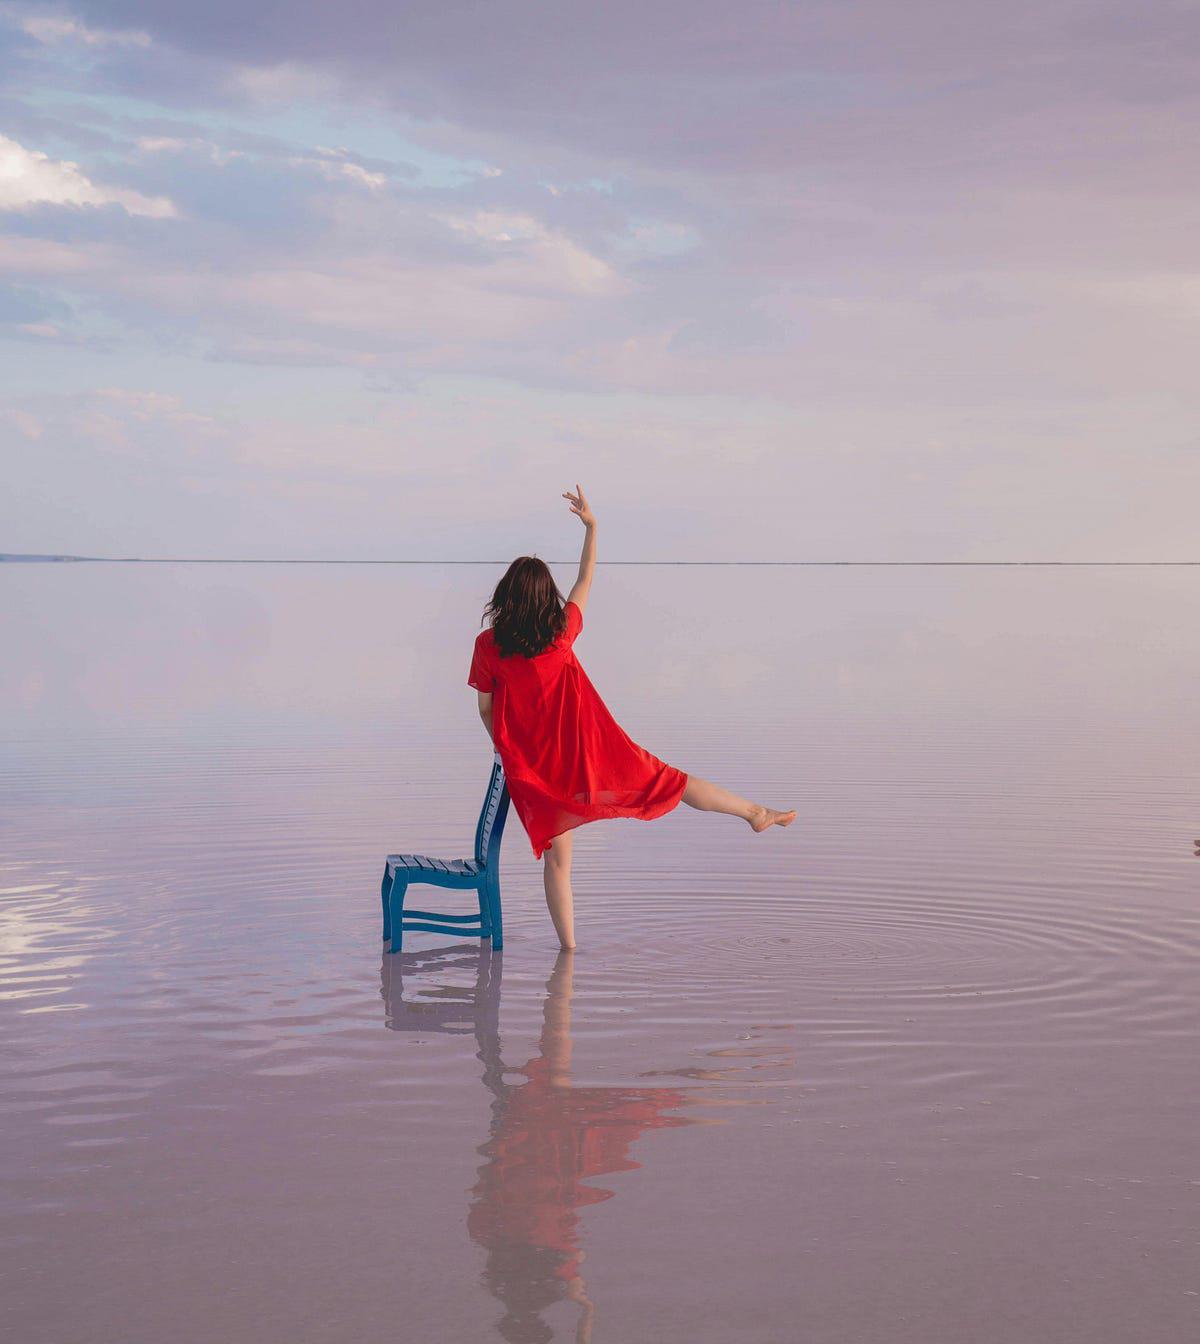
column 49, row 558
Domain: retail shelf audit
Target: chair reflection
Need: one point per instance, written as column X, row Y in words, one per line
column 546, row 1137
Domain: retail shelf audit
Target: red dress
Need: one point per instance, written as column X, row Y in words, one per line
column 566, row 759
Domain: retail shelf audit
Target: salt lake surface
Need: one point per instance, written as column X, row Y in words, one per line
column 921, row 1068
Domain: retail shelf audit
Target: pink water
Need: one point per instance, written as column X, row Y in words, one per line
column 921, row 1068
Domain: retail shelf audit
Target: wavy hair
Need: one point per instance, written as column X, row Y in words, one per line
column 526, row 610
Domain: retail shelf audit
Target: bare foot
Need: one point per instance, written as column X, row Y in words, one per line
column 768, row 816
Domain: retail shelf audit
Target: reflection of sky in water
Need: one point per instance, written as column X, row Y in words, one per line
column 98, row 646
column 946, row 1022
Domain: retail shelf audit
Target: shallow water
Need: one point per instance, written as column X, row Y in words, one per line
column 920, row 1068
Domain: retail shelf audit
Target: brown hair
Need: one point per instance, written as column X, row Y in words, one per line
column 526, row 610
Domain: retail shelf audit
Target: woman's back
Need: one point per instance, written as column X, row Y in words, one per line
column 566, row 759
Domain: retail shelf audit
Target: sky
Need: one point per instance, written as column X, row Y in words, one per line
column 812, row 281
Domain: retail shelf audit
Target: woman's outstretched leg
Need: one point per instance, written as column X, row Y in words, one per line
column 556, row 873
column 706, row 797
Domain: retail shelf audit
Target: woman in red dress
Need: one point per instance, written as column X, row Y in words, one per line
column 566, row 759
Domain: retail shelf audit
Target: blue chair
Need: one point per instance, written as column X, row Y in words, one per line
column 480, row 874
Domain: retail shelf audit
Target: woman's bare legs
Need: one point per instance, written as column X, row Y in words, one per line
column 556, row 873
column 700, row 794
column 706, row 797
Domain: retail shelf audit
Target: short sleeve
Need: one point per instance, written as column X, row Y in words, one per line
column 480, row 675
column 574, row 621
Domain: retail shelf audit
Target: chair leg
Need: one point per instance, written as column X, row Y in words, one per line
column 497, row 922
column 485, row 911
column 385, row 891
column 396, row 912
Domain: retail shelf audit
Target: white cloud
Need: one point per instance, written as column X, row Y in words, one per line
column 555, row 260
column 333, row 164
column 356, row 173
column 50, row 29
column 29, row 177
column 173, row 144
column 286, row 82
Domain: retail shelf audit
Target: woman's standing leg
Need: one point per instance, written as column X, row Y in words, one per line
column 556, row 873
column 706, row 797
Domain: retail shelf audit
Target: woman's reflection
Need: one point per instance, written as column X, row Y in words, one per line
column 547, row 1138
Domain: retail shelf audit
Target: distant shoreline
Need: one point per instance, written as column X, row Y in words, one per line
column 44, row 559
column 17, row 558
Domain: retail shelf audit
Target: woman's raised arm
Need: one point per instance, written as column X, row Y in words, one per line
column 587, row 560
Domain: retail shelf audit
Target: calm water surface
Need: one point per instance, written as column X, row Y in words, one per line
column 921, row 1068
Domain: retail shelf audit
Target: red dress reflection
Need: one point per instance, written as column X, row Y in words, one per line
column 546, row 1139
column 550, row 1139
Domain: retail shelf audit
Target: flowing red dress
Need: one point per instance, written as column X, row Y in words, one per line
column 566, row 759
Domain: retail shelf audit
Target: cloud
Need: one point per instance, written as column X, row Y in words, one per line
column 51, row 29
column 555, row 261
column 49, row 260
column 174, row 144
column 336, row 164
column 931, row 89
column 132, row 422
column 814, row 240
column 283, row 82
column 382, row 284
column 29, row 177
column 24, row 422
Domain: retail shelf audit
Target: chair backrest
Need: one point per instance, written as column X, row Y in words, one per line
column 491, row 818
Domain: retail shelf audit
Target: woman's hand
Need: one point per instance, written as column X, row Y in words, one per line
column 587, row 557
column 579, row 506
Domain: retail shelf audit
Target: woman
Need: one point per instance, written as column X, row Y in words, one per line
column 566, row 759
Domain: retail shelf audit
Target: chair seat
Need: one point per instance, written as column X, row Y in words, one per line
column 419, row 861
